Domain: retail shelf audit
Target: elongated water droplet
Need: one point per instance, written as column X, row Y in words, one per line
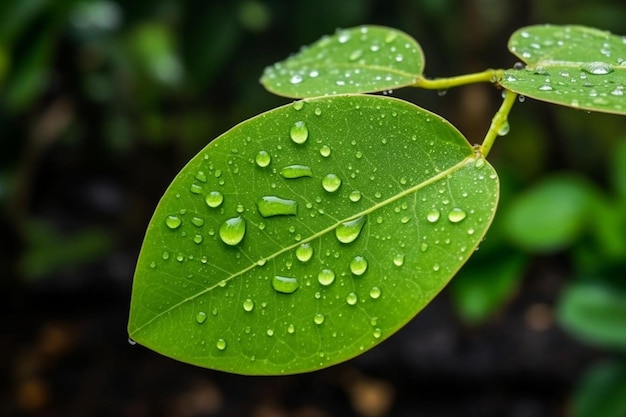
column 214, row 199
column 358, row 265
column 375, row 293
column 233, row 230
column 271, row 205
column 201, row 317
column 318, row 318
column 196, row 189
column 220, row 344
column 263, row 159
column 504, row 128
column 597, row 68
column 296, row 171
column 248, row 304
column 298, row 105
column 352, row 299
column 296, row 79
column 304, row 253
column 355, row 196
column 326, row 277
column 286, row 285
column 299, row 133
column 197, row 221
column 433, row 215
column 331, row 183
column 424, row 247
column 325, row 151
column 201, row 176
column 347, row 232
column 173, row 222
column 456, row 215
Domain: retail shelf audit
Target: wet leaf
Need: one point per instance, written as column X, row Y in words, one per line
column 574, row 66
column 358, row 60
column 309, row 234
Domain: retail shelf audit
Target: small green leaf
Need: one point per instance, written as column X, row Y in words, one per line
column 358, row 60
column 600, row 392
column 574, row 66
column 249, row 268
column 595, row 312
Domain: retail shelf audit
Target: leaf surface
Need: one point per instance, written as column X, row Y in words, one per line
column 309, row 234
column 358, row 60
column 574, row 66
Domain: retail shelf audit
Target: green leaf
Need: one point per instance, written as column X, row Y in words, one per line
column 574, row 66
column 595, row 312
column 600, row 392
column 358, row 60
column 549, row 216
column 309, row 234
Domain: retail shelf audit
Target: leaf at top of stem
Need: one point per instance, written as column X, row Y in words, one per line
column 574, row 66
column 363, row 59
column 279, row 250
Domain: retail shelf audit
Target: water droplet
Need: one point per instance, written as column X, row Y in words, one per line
column 263, row 159
column 377, row 333
column 152, row 264
column 355, row 55
column 196, row 189
column 347, row 232
column 390, row 37
column 597, row 68
column 197, row 221
column 398, row 260
column 504, row 128
column 197, row 239
column 214, row 199
column 546, row 87
column 291, row 329
column 286, row 285
column 326, row 277
column 456, row 215
column 220, row 344
column 436, row 267
column 173, row 222
column 201, row 176
column 248, row 304
column 131, row 342
column 433, row 215
column 318, row 111
column 270, row 332
column 375, row 293
column 298, row 105
column 351, row 299
column 296, row 79
column 201, row 317
column 270, row 205
column 331, row 183
column 165, row 255
column 325, row 151
column 358, row 265
column 318, row 318
column 355, row 196
column 424, row 247
column 296, row 171
column 304, row 252
column 233, row 230
column 299, row 133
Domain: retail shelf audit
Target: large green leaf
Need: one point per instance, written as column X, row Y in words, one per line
column 574, row 66
column 358, row 60
column 308, row 234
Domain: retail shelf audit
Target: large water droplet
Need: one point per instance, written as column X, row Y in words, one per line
column 196, row 189
column 286, row 285
column 597, row 68
column 456, row 215
column 325, row 151
column 375, row 293
column 347, row 232
column 355, row 196
column 352, row 299
column 331, row 183
column 270, row 205
column 326, row 277
column 248, row 304
column 398, row 260
column 318, row 318
column 233, row 230
column 299, row 133
column 296, row 171
column 263, row 159
column 214, row 199
column 173, row 222
column 220, row 344
column 358, row 265
column 304, row 253
column 433, row 215
column 201, row 317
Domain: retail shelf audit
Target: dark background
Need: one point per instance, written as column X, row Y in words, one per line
column 103, row 102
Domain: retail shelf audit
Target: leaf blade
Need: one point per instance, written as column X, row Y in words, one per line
column 247, row 325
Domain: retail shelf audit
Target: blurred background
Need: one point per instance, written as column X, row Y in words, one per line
column 102, row 102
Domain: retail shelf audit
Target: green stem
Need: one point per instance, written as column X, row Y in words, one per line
column 498, row 122
column 488, row 76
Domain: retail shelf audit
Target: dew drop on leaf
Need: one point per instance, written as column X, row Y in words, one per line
column 214, row 199
column 197, row 221
column 351, row 299
column 326, row 277
column 197, row 239
column 456, row 215
column 299, row 133
column 298, row 105
column 347, row 232
column 165, row 255
column 201, row 176
column 248, row 304
column 220, row 344
column 285, row 285
column 504, row 128
column 375, row 293
column 325, row 151
column 263, row 159
column 433, row 215
column 201, row 317
column 318, row 318
column 398, row 260
column 296, row 171
column 597, row 68
column 304, row 252
column 196, row 189
column 331, row 183
column 377, row 333
column 233, row 230
column 355, row 196
column 296, row 79
column 173, row 222
column 291, row 329
column 275, row 206
column 358, row 265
